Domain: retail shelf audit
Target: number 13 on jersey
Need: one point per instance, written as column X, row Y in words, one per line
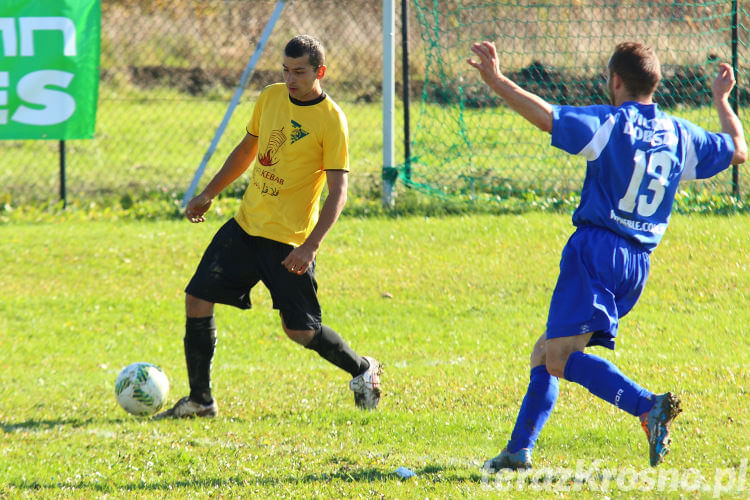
column 657, row 167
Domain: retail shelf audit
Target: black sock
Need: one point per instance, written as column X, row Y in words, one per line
column 332, row 348
column 200, row 344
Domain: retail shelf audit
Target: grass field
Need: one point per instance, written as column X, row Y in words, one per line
column 468, row 296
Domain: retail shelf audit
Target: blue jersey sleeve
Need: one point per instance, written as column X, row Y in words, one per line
column 574, row 127
column 707, row 153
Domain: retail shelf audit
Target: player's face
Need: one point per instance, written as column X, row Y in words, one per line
column 301, row 78
column 610, row 87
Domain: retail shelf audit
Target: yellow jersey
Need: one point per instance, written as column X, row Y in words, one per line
column 297, row 142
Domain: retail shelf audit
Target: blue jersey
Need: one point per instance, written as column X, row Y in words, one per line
column 636, row 157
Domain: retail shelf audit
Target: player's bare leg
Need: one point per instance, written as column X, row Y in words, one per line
column 558, row 350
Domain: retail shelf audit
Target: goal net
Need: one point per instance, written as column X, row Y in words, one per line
column 467, row 144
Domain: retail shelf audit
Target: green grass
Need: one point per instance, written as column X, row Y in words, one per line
column 81, row 299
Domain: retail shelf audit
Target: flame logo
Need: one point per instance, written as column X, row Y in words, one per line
column 277, row 139
column 266, row 160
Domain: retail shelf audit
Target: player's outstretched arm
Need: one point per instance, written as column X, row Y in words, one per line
column 235, row 164
column 529, row 105
column 730, row 122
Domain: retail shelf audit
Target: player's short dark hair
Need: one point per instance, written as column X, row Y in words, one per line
column 306, row 45
column 638, row 67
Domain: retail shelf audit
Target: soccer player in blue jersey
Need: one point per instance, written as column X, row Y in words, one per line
column 636, row 155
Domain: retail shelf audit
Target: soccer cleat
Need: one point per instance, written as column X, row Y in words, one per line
column 366, row 386
column 657, row 423
column 518, row 460
column 187, row 408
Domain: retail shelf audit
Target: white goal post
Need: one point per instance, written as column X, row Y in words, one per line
column 389, row 92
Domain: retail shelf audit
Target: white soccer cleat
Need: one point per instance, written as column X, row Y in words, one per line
column 366, row 386
column 187, row 408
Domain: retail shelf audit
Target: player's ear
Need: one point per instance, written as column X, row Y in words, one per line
column 320, row 72
column 616, row 80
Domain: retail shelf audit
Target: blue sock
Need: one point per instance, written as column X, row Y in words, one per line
column 605, row 380
column 535, row 410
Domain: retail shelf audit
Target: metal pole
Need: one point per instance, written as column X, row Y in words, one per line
column 63, row 195
column 735, row 93
column 405, row 78
column 389, row 89
column 235, row 100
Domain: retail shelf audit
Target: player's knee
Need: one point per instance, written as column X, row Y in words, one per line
column 302, row 337
column 197, row 308
column 538, row 354
column 555, row 369
column 558, row 350
column 556, row 365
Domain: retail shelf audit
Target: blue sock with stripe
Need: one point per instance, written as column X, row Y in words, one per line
column 536, row 408
column 605, row 380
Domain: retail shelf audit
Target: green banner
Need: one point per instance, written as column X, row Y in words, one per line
column 49, row 68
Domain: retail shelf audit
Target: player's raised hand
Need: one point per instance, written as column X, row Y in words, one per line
column 197, row 207
column 529, row 105
column 488, row 64
column 724, row 81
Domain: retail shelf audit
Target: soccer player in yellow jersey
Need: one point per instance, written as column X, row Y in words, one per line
column 297, row 141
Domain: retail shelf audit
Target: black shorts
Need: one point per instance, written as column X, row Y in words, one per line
column 235, row 261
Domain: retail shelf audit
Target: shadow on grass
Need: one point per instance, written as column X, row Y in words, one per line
column 46, row 424
column 38, row 425
column 432, row 474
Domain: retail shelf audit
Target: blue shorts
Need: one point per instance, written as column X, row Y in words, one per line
column 601, row 278
column 235, row 261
